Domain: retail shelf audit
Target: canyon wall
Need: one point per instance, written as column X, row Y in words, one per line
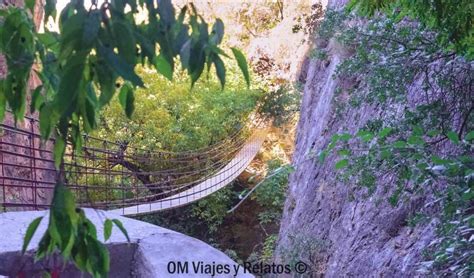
column 340, row 231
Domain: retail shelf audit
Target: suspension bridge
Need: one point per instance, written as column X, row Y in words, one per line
column 116, row 176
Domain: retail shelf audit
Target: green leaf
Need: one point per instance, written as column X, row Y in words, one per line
column 217, row 50
column 44, row 245
column 242, row 63
column 130, row 103
column 469, row 136
column 384, row 132
column 53, row 230
column 80, row 255
column 182, row 14
column 341, row 164
column 163, row 66
column 106, row 79
column 217, row 32
column 122, row 229
column 322, row 156
column 331, row 145
column 166, row 12
column 71, row 37
column 119, row 5
column 98, row 258
column 70, row 85
column 185, row 54
column 59, row 148
column 63, row 219
column 36, row 99
column 203, row 31
column 147, row 49
column 120, row 66
column 365, row 135
column 91, row 28
column 415, row 140
column 17, row 97
column 93, row 263
column 344, row 152
column 48, row 38
column 89, row 112
column 220, row 70
column 433, row 133
column 438, row 160
column 399, row 144
column 90, row 228
column 91, row 94
column 107, row 229
column 345, row 137
column 468, row 195
column 105, row 262
column 30, row 231
column 385, row 154
column 196, row 64
column 89, row 118
column 453, row 136
column 394, row 198
column 127, row 99
column 125, row 40
column 45, row 120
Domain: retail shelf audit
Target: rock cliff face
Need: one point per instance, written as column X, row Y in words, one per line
column 342, row 234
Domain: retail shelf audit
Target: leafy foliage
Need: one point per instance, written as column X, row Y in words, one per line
column 269, row 248
column 81, row 67
column 390, row 56
column 281, row 104
column 30, row 231
column 202, row 219
column 270, row 196
column 307, row 248
column 213, row 210
column 70, row 232
column 272, row 192
column 169, row 116
column 83, row 64
column 452, row 20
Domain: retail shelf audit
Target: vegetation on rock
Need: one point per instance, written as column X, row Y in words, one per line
column 424, row 140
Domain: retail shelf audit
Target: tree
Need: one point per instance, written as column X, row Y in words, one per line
column 453, row 20
column 81, row 67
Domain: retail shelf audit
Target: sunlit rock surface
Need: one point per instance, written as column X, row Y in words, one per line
column 347, row 235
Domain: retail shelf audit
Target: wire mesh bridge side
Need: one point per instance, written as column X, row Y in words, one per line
column 113, row 175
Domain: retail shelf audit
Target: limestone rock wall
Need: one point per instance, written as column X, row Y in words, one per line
column 343, row 235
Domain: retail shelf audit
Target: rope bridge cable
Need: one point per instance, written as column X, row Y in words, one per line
column 118, row 177
column 268, row 177
column 205, row 188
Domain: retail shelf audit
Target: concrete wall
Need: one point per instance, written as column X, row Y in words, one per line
column 148, row 255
